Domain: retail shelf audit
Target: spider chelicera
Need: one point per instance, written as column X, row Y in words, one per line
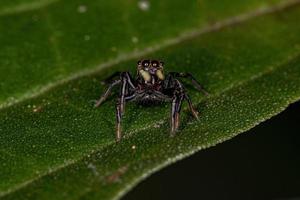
column 150, row 87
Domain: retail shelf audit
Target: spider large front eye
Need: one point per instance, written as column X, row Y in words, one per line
column 154, row 63
column 146, row 63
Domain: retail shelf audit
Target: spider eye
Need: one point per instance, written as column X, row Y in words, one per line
column 162, row 63
column 139, row 62
column 154, row 63
column 145, row 63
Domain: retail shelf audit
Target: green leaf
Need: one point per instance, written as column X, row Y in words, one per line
column 55, row 145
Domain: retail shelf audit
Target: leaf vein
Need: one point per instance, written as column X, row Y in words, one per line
column 26, row 7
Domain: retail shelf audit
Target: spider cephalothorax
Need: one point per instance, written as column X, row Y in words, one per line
column 151, row 86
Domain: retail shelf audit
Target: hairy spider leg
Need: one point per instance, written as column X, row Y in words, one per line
column 187, row 98
column 120, row 109
column 176, row 106
column 196, row 84
column 173, row 110
column 118, row 125
column 120, row 106
column 194, row 112
column 122, row 95
column 180, row 95
column 127, row 81
column 177, row 112
column 107, row 92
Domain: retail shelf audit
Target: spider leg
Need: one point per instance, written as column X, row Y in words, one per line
column 118, row 118
column 131, row 97
column 187, row 98
column 119, row 113
column 125, row 75
column 173, row 115
column 178, row 108
column 129, row 79
column 122, row 94
column 126, row 86
column 175, row 112
column 107, row 92
column 179, row 95
column 196, row 84
column 120, row 107
column 194, row 112
column 168, row 81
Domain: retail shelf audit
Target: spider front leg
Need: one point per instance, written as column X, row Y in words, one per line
column 180, row 95
column 122, row 75
column 107, row 92
column 120, row 109
column 118, row 117
column 119, row 113
column 120, row 106
column 175, row 112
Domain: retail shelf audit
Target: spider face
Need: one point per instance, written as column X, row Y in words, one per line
column 150, row 70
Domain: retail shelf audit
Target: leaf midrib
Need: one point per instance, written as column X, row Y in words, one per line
column 185, row 36
column 26, row 7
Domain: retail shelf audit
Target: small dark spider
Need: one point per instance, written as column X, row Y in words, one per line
column 150, row 87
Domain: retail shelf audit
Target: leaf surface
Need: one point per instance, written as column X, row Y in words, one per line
column 58, row 146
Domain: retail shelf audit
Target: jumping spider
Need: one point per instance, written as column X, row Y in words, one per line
column 150, row 87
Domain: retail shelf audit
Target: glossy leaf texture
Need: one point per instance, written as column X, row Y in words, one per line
column 55, row 145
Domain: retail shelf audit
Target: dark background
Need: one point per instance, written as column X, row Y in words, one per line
column 263, row 163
